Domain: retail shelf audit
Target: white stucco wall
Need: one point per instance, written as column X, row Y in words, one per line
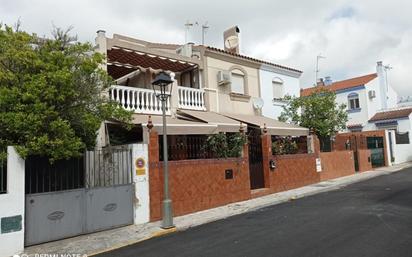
column 356, row 117
column 291, row 86
column 374, row 104
column 403, row 152
column 12, row 204
column 141, row 183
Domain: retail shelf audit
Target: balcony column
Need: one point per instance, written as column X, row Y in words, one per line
column 174, row 99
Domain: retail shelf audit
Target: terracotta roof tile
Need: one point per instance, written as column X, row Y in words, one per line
column 354, row 125
column 340, row 85
column 390, row 115
column 252, row 59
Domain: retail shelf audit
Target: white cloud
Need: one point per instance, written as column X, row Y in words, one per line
column 352, row 34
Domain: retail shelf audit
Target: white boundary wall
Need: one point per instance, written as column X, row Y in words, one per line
column 12, row 205
column 140, row 158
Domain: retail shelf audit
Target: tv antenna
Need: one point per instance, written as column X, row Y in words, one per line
column 205, row 27
column 318, row 57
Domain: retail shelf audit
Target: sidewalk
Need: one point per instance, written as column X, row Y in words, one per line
column 104, row 241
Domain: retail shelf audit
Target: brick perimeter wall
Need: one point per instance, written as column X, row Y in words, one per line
column 364, row 161
column 336, row 164
column 341, row 139
column 197, row 185
column 293, row 171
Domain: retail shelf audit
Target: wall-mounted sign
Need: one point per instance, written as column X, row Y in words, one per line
column 11, row 224
column 140, row 164
column 318, row 165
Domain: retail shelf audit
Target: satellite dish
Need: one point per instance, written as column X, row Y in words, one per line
column 257, row 103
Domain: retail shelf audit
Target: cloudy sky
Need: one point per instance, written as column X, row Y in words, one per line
column 351, row 34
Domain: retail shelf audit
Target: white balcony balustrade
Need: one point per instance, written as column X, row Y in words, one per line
column 139, row 100
column 191, row 98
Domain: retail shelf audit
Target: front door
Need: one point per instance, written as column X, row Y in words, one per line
column 255, row 158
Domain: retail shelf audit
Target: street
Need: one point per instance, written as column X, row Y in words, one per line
column 370, row 218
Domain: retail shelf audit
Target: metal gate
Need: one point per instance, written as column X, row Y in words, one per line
column 375, row 144
column 255, row 158
column 352, row 144
column 78, row 196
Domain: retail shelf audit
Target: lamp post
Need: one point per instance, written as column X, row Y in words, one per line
column 162, row 92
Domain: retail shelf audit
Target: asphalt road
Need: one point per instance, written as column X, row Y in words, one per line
column 370, row 218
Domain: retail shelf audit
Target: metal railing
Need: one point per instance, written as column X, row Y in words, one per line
column 3, row 176
column 191, row 98
column 98, row 168
column 139, row 100
column 108, row 167
column 187, row 147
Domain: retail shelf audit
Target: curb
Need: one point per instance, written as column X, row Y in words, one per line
column 155, row 234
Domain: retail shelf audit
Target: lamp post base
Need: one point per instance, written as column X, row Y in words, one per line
column 167, row 221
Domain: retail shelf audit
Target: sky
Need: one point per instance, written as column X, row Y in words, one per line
column 352, row 34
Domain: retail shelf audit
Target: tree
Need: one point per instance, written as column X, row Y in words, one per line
column 52, row 94
column 318, row 112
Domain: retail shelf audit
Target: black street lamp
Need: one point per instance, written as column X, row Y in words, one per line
column 162, row 91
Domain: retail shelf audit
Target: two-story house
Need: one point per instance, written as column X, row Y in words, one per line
column 222, row 83
column 364, row 96
column 214, row 90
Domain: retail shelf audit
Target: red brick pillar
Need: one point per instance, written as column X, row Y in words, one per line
column 155, row 176
column 267, row 156
column 316, row 145
column 153, row 146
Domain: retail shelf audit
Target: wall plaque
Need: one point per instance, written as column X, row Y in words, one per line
column 140, row 164
column 11, row 224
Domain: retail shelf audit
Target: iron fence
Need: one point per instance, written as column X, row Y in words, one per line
column 185, row 147
column 98, row 168
column 43, row 176
column 108, row 167
column 3, row 176
column 402, row 138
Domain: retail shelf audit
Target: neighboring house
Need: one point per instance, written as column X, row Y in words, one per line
column 364, row 96
column 275, row 83
column 398, row 123
column 372, row 104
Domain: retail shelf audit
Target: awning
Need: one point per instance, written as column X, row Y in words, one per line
column 175, row 126
column 121, row 61
column 274, row 127
column 223, row 123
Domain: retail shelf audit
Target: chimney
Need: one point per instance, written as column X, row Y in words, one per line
column 101, row 43
column 380, row 70
column 231, row 39
column 328, row 81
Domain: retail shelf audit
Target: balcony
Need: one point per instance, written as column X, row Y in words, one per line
column 144, row 101
column 191, row 98
column 138, row 100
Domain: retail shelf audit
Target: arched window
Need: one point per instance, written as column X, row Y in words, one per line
column 238, row 82
column 277, row 87
column 353, row 101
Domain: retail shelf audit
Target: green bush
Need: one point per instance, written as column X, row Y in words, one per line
column 284, row 145
column 226, row 145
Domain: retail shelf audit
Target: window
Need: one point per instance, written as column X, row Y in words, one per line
column 277, row 85
column 238, row 82
column 353, row 101
column 402, row 138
